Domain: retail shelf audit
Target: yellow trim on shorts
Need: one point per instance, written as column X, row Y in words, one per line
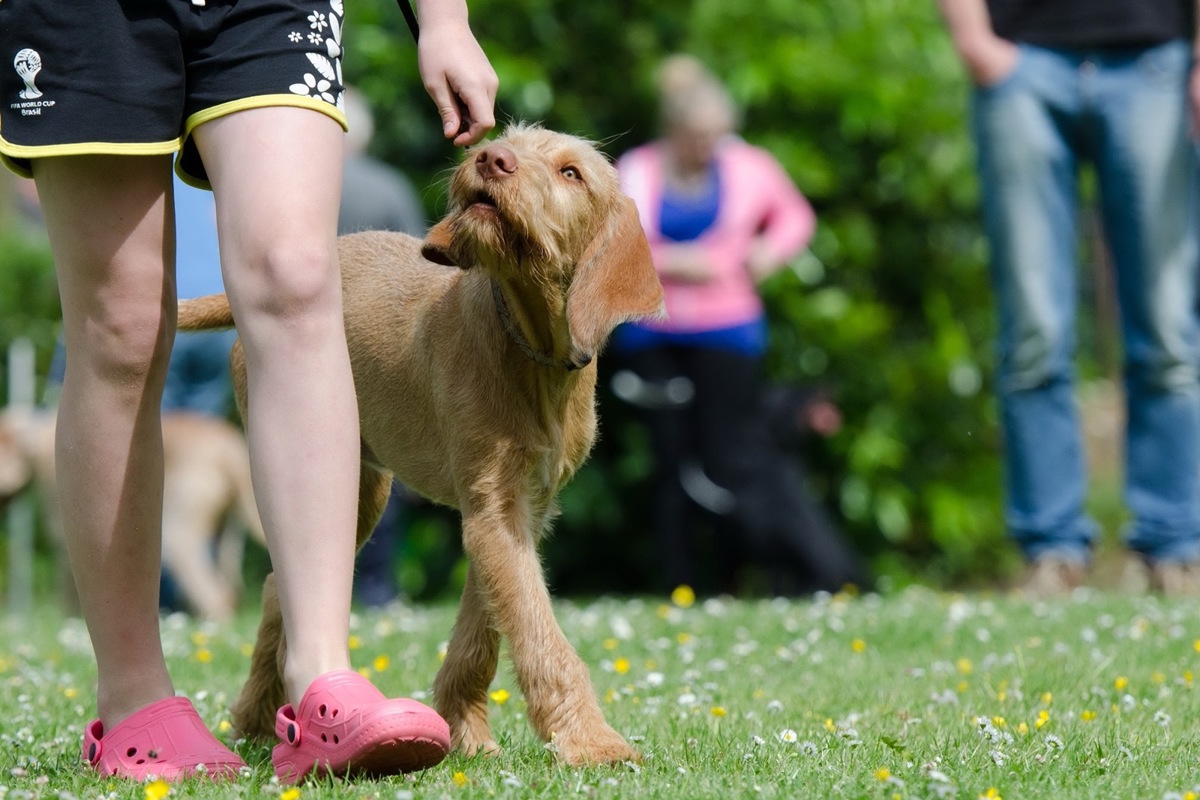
column 245, row 104
column 10, row 153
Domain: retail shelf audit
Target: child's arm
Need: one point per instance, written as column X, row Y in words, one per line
column 455, row 71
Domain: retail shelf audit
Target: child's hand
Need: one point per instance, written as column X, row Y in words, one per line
column 458, row 77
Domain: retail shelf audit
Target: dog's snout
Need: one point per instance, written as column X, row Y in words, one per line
column 496, row 161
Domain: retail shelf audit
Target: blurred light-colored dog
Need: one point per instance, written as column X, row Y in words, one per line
column 208, row 503
column 476, row 386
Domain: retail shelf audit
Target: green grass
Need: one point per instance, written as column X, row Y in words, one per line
column 912, row 695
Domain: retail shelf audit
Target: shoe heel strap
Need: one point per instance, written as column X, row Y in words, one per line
column 93, row 748
column 286, row 726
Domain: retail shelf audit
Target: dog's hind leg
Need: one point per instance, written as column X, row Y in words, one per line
column 263, row 693
column 462, row 682
column 563, row 708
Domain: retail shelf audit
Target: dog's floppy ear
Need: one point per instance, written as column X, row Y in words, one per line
column 614, row 282
column 438, row 244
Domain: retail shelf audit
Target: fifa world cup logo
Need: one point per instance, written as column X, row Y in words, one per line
column 28, row 64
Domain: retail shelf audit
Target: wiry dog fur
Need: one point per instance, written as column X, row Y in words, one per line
column 207, row 501
column 476, row 379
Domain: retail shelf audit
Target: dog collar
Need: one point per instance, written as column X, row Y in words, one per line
column 522, row 343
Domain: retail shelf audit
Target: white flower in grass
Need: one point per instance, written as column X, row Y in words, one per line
column 1162, row 718
column 316, row 21
column 295, row 36
column 788, row 736
column 1053, row 742
column 808, row 748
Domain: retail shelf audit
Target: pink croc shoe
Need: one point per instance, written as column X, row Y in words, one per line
column 344, row 725
column 166, row 739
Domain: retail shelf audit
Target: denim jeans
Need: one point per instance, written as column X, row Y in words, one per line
column 1125, row 112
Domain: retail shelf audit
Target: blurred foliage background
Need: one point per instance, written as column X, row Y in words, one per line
column 865, row 104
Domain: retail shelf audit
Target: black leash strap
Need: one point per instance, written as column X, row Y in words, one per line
column 411, row 18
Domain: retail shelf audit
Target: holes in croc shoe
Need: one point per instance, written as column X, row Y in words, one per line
column 324, row 738
column 131, row 752
column 334, row 714
column 321, row 710
column 336, row 740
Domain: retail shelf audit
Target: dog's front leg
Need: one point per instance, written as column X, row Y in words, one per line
column 499, row 541
column 462, row 682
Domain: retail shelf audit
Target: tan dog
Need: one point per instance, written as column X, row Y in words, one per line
column 207, row 480
column 476, row 388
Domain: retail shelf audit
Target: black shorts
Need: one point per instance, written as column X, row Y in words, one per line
column 135, row 77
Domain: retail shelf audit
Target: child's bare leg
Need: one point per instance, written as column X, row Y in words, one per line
column 111, row 228
column 277, row 177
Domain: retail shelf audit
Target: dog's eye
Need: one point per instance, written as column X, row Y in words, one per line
column 571, row 173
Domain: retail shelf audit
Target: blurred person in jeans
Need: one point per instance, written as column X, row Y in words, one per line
column 721, row 215
column 1110, row 83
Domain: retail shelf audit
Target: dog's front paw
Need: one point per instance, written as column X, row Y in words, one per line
column 470, row 733
column 594, row 745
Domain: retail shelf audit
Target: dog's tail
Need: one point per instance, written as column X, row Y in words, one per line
column 205, row 313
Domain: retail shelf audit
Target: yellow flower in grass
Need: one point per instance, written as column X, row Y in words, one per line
column 858, row 646
column 500, row 696
column 204, row 655
column 224, row 726
column 246, row 649
column 1022, row 729
column 1043, row 719
column 460, row 779
column 1190, row 796
column 157, row 790
column 830, row 726
column 1120, row 683
column 611, row 644
column 1047, row 698
column 70, row 692
column 718, row 711
column 683, row 596
column 882, row 774
column 1158, row 677
column 1087, row 715
column 964, row 666
column 290, row 794
column 621, row 666
column 683, row 638
column 999, row 722
column 354, row 642
column 381, row 663
column 1196, row 645
column 992, row 793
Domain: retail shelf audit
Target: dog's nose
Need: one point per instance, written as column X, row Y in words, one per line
column 496, row 161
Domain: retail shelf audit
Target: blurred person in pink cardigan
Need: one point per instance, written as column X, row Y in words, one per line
column 721, row 216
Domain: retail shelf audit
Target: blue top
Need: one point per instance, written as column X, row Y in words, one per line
column 684, row 218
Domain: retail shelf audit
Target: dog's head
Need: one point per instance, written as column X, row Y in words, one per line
column 546, row 209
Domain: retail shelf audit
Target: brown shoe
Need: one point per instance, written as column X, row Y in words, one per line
column 1176, row 578
column 1050, row 576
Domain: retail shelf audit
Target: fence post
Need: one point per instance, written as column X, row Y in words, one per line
column 21, row 390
